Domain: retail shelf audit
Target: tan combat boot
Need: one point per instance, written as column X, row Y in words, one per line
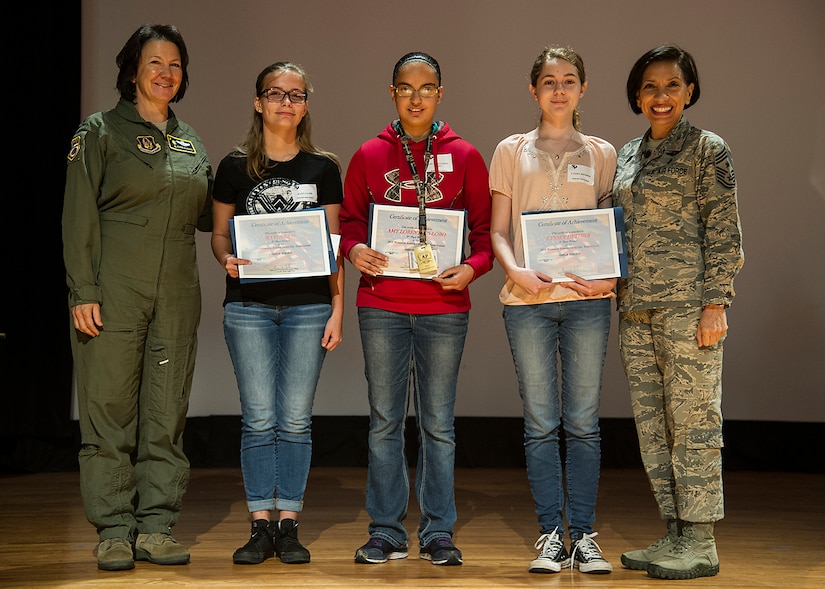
column 115, row 554
column 638, row 560
column 694, row 555
column 160, row 549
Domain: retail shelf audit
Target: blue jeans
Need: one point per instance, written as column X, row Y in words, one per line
column 277, row 356
column 577, row 331
column 425, row 349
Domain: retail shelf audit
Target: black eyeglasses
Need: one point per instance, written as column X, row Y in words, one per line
column 405, row 91
column 278, row 95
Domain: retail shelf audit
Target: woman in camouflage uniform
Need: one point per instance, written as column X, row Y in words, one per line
column 678, row 191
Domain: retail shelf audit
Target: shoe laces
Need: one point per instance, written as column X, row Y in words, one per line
column 260, row 538
column 160, row 539
column 441, row 542
column 549, row 545
column 587, row 547
column 376, row 543
column 259, row 530
column 289, row 537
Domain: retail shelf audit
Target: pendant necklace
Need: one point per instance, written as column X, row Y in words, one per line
column 555, row 200
column 558, row 153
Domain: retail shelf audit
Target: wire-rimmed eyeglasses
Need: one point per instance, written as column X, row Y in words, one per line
column 426, row 91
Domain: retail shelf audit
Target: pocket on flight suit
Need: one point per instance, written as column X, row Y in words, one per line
column 170, row 378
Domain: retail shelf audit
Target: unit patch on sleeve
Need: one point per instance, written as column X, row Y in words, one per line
column 182, row 145
column 75, row 148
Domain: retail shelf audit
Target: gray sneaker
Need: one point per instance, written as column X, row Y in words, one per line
column 586, row 555
column 115, row 554
column 552, row 554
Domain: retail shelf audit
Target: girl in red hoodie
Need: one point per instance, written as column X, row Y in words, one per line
column 413, row 329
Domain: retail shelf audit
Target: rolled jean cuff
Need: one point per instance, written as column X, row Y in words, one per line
column 260, row 505
column 289, row 505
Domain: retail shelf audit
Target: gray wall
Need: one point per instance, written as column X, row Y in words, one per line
column 761, row 67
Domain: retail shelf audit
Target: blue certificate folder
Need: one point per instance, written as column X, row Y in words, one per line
column 554, row 244
column 330, row 250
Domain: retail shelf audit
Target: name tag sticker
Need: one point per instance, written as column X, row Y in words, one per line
column 306, row 193
column 445, row 163
column 580, row 173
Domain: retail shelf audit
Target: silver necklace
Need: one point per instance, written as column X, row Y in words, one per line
column 556, row 199
column 557, row 153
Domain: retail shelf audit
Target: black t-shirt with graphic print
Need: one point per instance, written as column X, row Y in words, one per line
column 280, row 192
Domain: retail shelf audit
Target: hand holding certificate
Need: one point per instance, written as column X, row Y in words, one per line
column 588, row 243
column 394, row 231
column 283, row 245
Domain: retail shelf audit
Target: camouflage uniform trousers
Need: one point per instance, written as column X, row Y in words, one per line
column 676, row 395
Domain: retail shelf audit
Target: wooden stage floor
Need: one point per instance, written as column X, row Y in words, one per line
column 773, row 535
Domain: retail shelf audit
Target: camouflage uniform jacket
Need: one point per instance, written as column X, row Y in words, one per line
column 682, row 220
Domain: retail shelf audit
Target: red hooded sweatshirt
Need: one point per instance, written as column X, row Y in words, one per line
column 378, row 173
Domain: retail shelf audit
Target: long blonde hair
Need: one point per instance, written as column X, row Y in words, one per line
column 253, row 145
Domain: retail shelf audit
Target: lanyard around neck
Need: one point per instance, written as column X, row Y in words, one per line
column 419, row 185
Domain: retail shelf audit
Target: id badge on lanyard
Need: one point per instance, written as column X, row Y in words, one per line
column 423, row 252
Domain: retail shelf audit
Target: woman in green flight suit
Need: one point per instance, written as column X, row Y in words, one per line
column 138, row 184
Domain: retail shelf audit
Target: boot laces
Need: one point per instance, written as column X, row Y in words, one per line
column 663, row 541
column 681, row 546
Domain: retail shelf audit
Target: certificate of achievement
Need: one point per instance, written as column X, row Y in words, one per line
column 284, row 245
column 588, row 243
column 393, row 231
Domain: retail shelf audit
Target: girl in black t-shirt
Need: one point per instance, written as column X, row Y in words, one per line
column 277, row 330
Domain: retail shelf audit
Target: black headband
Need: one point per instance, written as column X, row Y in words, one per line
column 417, row 56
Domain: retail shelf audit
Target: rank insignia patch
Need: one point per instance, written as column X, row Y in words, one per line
column 724, row 170
column 75, row 148
column 182, row 145
column 147, row 144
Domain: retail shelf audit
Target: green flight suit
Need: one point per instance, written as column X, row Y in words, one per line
column 134, row 197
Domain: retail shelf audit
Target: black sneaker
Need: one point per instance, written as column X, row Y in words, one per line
column 287, row 547
column 587, row 555
column 441, row 551
column 259, row 547
column 552, row 554
column 379, row 551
